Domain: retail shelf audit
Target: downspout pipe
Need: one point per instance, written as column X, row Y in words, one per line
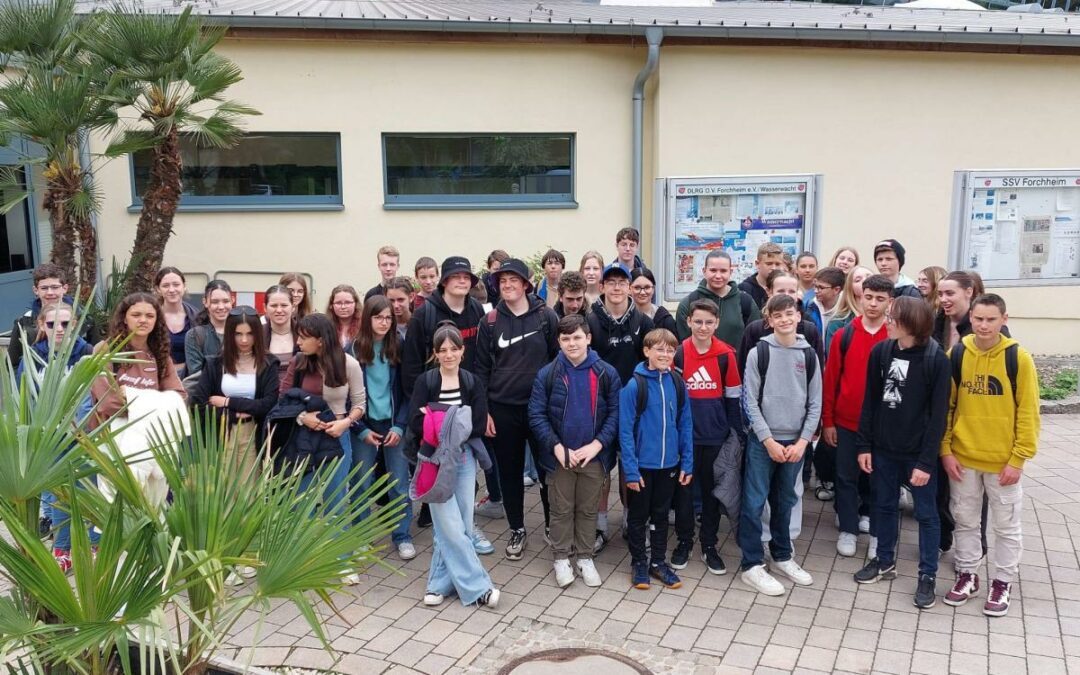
column 654, row 36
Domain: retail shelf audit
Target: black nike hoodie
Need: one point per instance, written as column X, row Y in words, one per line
column 510, row 352
column 421, row 332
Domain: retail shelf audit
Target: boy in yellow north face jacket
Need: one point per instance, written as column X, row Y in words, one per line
column 992, row 429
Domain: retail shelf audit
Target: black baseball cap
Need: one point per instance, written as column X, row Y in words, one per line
column 515, row 266
column 456, row 264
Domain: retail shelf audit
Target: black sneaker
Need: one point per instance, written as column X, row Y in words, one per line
column 44, row 527
column 665, row 575
column 926, row 592
column 425, row 517
column 681, row 555
column 713, row 560
column 875, row 571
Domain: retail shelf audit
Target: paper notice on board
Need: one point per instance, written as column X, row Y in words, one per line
column 1065, row 247
column 1034, row 246
column 979, row 249
column 1005, row 236
column 1066, row 199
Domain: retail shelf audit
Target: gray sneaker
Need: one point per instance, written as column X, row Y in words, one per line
column 516, row 546
column 489, row 509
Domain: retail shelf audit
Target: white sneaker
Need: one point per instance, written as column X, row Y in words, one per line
column 350, row 579
column 433, row 599
column 907, row 502
column 564, row 573
column 871, row 550
column 527, row 481
column 864, row 524
column 588, row 573
column 234, row 579
column 760, row 580
column 845, row 544
column 246, row 571
column 406, row 550
column 791, row 570
column 489, row 509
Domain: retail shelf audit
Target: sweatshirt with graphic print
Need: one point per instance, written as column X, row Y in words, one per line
column 510, row 352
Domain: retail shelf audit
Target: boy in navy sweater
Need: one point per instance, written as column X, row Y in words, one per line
column 656, row 444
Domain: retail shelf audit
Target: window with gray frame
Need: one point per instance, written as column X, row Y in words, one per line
column 263, row 170
column 479, row 170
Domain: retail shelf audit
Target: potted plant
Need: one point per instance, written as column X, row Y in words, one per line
column 152, row 596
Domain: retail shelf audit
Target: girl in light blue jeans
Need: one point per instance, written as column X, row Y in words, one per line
column 455, row 567
column 378, row 349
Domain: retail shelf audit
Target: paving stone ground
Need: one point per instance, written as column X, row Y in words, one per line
column 715, row 624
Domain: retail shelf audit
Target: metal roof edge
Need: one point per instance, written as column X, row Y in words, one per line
column 720, row 33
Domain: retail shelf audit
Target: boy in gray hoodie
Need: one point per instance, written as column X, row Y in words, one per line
column 782, row 398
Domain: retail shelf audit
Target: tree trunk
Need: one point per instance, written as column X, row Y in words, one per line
column 63, row 233
column 158, row 210
column 88, row 253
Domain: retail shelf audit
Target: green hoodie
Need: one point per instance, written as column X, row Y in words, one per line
column 732, row 317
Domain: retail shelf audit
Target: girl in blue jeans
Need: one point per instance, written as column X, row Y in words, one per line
column 53, row 322
column 378, row 349
column 455, row 566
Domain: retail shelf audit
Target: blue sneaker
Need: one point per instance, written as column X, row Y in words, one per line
column 639, row 577
column 480, row 543
column 665, row 575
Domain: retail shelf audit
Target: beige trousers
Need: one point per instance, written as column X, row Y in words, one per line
column 1005, row 503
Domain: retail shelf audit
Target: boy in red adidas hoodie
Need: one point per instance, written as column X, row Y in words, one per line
column 710, row 369
column 842, row 399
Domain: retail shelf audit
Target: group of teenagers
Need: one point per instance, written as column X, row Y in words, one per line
column 867, row 387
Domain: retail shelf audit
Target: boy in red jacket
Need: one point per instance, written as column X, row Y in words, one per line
column 842, row 399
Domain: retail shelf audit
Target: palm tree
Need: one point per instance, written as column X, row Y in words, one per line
column 53, row 95
column 177, row 84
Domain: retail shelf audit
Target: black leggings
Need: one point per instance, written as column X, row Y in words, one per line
column 512, row 437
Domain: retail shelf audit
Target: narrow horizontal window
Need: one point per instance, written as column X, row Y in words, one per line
column 262, row 170
column 454, row 170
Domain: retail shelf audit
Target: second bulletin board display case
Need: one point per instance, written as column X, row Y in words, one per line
column 695, row 215
column 1017, row 227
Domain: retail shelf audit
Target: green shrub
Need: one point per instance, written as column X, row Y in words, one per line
column 1062, row 385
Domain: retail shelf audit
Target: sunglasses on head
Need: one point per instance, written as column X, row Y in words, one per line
column 243, row 311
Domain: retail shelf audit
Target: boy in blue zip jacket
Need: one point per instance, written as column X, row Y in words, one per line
column 656, row 444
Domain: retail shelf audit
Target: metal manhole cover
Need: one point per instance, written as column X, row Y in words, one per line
column 574, row 661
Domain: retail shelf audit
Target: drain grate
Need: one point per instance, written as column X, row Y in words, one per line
column 574, row 661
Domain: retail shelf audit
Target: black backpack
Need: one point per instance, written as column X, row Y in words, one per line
column 809, row 358
column 1012, row 364
column 643, row 397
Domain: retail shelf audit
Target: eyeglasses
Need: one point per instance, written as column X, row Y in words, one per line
column 617, row 283
column 242, row 311
column 53, row 324
column 51, row 288
column 822, row 287
column 642, row 289
column 383, row 317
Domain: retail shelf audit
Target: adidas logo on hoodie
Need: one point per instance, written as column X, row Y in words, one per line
column 701, row 381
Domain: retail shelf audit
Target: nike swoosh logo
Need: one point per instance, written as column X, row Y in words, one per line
column 504, row 343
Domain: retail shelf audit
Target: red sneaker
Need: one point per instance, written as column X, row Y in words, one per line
column 966, row 586
column 997, row 602
column 63, row 559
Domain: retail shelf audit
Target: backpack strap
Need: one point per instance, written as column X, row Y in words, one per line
column 956, row 361
column 1012, row 366
column 847, row 334
column 762, row 350
column 722, row 365
column 810, row 363
column 641, row 401
column 680, row 396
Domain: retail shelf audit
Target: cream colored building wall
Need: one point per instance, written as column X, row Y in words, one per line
column 362, row 89
column 887, row 129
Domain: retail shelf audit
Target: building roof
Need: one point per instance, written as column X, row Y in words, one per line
column 732, row 20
